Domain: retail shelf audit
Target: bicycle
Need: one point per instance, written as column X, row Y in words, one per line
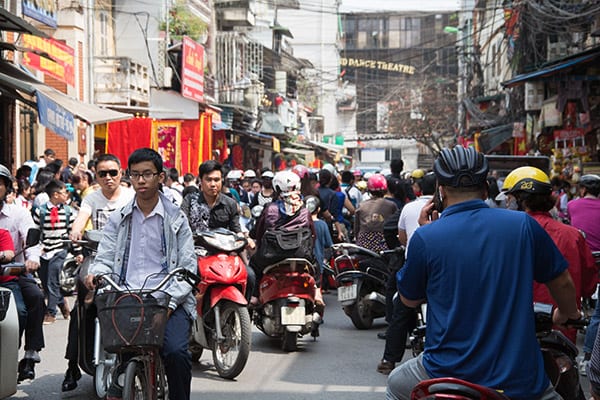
column 131, row 324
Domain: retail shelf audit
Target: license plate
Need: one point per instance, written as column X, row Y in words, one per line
column 293, row 316
column 346, row 293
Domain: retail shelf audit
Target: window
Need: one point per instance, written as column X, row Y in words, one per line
column 103, row 34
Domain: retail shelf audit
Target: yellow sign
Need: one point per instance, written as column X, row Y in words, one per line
column 375, row 64
column 276, row 145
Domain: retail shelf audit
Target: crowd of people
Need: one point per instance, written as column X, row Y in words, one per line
column 143, row 204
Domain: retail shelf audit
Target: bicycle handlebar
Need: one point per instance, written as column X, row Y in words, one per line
column 191, row 278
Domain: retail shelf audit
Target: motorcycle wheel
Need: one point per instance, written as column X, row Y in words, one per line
column 289, row 341
column 103, row 374
column 68, row 278
column 135, row 384
column 231, row 354
column 360, row 314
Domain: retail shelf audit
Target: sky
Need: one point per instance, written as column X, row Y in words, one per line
column 398, row 5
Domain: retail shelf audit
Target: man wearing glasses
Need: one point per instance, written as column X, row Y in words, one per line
column 96, row 206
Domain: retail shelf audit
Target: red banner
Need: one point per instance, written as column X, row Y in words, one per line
column 192, row 70
column 62, row 68
column 567, row 134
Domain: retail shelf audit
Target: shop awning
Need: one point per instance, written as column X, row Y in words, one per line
column 13, row 78
column 552, row 69
column 270, row 123
column 12, row 23
column 494, row 137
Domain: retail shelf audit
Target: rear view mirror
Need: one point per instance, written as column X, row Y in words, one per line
column 33, row 237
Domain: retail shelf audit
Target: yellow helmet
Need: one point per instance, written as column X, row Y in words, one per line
column 527, row 179
column 417, row 174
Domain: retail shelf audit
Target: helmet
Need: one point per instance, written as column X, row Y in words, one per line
column 234, row 175
column 377, row 183
column 286, row 181
column 367, row 175
column 312, row 203
column 267, row 174
column 329, row 168
column 417, row 174
column 527, row 179
column 361, row 185
column 460, row 167
column 357, row 172
column 249, row 174
column 300, row 170
column 6, row 175
column 591, row 182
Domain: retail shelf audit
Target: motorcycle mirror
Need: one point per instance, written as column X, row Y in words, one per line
column 33, row 237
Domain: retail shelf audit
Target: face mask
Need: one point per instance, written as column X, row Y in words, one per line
column 292, row 203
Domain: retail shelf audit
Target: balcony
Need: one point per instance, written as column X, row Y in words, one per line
column 231, row 13
column 121, row 81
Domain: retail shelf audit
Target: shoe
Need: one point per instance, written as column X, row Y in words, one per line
column 65, row 310
column 382, row 335
column 34, row 355
column 72, row 375
column 26, row 370
column 385, row 367
column 114, row 392
column 49, row 319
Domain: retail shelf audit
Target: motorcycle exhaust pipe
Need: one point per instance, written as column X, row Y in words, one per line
column 374, row 296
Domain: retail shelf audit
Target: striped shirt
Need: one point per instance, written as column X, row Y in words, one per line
column 53, row 237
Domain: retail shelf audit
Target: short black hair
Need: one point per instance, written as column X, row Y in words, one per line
column 428, row 184
column 49, row 152
column 146, row 154
column 347, row 177
column 73, row 162
column 54, row 186
column 209, row 166
column 396, row 166
column 107, row 157
column 189, row 177
column 54, row 167
column 325, row 177
column 173, row 174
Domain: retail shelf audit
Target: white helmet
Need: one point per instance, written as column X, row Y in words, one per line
column 234, row 175
column 286, row 181
column 330, row 168
column 249, row 174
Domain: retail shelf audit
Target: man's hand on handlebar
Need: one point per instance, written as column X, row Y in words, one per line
column 31, row 266
column 75, row 236
column 89, row 281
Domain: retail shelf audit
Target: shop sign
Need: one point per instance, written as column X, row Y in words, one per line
column 42, row 11
column 375, row 64
column 55, row 117
column 567, row 134
column 62, row 68
column 192, row 70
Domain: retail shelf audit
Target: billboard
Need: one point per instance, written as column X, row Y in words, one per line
column 192, row 70
column 63, row 66
column 42, row 11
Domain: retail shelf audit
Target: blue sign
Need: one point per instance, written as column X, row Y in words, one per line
column 55, row 117
column 43, row 11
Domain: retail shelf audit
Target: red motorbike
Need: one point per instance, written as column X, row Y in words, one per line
column 223, row 323
column 287, row 302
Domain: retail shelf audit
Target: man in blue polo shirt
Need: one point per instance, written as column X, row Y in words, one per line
column 479, row 287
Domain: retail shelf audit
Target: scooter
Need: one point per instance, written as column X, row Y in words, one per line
column 286, row 307
column 453, row 388
column 361, row 276
column 558, row 352
column 9, row 324
column 223, row 324
column 68, row 275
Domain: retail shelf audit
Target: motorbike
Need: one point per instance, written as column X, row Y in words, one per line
column 558, row 352
column 68, row 275
column 223, row 324
column 286, row 307
column 9, row 324
column 453, row 388
column 361, row 277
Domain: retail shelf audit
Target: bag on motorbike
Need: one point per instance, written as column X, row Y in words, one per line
column 279, row 244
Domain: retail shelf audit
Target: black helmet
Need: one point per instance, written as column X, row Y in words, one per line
column 460, row 167
column 6, row 175
column 591, row 182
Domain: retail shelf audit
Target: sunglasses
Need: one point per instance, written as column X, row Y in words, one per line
column 111, row 172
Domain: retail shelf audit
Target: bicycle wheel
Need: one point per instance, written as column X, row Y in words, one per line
column 162, row 387
column 103, row 374
column 135, row 385
column 230, row 354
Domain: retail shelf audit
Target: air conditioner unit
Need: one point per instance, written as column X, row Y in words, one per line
column 534, row 95
column 167, row 77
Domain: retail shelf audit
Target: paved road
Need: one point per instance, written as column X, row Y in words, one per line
column 339, row 365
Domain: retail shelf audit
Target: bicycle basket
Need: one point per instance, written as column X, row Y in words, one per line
column 132, row 318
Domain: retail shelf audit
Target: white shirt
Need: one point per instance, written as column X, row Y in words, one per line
column 409, row 217
column 146, row 255
column 17, row 220
column 99, row 207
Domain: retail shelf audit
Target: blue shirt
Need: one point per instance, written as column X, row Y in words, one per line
column 476, row 267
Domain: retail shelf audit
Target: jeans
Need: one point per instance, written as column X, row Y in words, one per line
column 50, row 277
column 592, row 329
column 404, row 378
column 176, row 355
column 36, row 308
